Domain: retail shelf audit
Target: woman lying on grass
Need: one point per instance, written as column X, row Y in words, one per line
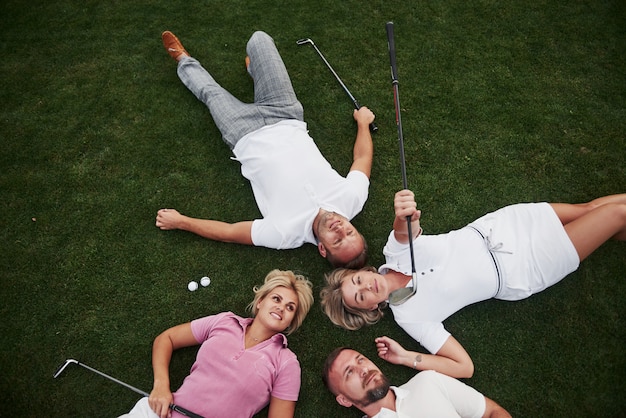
column 508, row 254
column 242, row 363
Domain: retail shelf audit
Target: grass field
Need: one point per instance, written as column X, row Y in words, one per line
column 502, row 102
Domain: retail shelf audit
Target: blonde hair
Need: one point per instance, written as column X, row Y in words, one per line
column 296, row 282
column 331, row 299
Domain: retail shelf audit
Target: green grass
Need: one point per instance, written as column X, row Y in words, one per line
column 502, row 102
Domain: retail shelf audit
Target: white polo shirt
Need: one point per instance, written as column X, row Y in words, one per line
column 434, row 395
column 520, row 250
column 291, row 181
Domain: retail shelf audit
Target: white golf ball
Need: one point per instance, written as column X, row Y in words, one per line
column 192, row 286
column 205, row 281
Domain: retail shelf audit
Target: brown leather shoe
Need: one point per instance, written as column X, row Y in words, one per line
column 247, row 61
column 173, row 46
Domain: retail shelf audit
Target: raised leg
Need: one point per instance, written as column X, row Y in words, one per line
column 273, row 91
column 568, row 212
column 589, row 228
column 233, row 118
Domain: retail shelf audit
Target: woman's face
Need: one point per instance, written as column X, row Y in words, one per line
column 277, row 309
column 364, row 290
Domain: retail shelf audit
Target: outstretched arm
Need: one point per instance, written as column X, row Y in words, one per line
column 493, row 410
column 451, row 359
column 239, row 232
column 280, row 408
column 164, row 345
column 363, row 152
column 404, row 205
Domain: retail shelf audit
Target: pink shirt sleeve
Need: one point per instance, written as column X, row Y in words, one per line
column 287, row 383
column 201, row 327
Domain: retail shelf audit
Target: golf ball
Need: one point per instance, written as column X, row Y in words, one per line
column 205, row 281
column 192, row 286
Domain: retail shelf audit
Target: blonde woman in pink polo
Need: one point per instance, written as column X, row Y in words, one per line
column 243, row 364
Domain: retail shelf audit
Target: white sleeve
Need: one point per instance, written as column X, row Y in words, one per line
column 467, row 401
column 357, row 186
column 265, row 234
column 282, row 234
column 397, row 255
column 431, row 335
column 432, row 394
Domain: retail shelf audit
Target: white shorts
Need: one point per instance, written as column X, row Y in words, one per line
column 531, row 248
column 141, row 410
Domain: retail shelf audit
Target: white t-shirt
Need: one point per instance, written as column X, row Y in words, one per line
column 434, row 395
column 291, row 181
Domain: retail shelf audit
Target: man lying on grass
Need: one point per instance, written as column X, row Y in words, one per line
column 356, row 381
column 301, row 197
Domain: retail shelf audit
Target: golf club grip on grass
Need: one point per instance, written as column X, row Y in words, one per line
column 392, row 53
column 396, row 99
column 373, row 127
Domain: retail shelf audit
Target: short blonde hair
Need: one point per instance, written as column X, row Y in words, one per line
column 288, row 279
column 331, row 299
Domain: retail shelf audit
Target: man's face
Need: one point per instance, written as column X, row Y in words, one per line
column 338, row 236
column 356, row 380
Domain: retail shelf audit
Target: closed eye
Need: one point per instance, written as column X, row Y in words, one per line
column 358, row 296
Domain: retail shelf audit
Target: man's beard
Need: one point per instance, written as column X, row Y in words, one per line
column 375, row 394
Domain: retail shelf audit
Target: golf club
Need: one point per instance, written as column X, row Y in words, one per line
column 309, row 41
column 399, row 296
column 173, row 407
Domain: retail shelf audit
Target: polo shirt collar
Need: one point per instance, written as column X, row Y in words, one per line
column 245, row 322
column 387, row 413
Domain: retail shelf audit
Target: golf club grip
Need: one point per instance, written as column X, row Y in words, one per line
column 184, row 411
column 392, row 52
column 373, row 127
column 410, row 231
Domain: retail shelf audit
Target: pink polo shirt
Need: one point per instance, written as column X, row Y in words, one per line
column 226, row 380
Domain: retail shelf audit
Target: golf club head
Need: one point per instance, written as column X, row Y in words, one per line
column 63, row 366
column 304, row 41
column 399, row 296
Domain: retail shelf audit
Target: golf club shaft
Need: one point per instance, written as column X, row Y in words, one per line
column 396, row 96
column 356, row 104
column 373, row 126
column 173, row 407
column 134, row 389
